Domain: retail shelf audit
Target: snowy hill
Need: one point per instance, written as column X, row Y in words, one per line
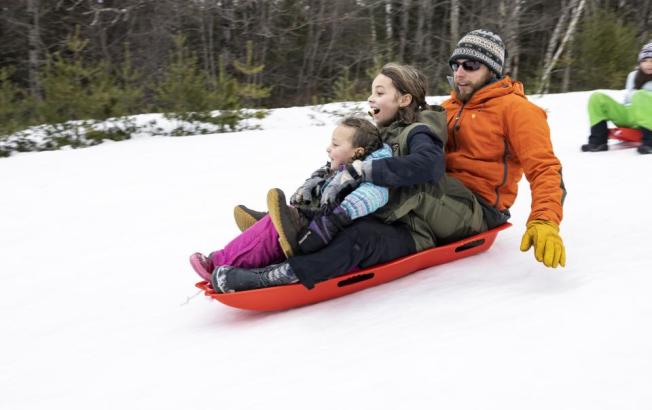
column 98, row 310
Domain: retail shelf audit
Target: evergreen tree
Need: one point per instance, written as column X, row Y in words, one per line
column 184, row 86
column 130, row 94
column 225, row 90
column 249, row 90
column 75, row 89
column 605, row 51
column 11, row 104
column 345, row 89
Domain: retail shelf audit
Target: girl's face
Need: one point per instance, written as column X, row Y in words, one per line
column 646, row 65
column 385, row 100
column 340, row 150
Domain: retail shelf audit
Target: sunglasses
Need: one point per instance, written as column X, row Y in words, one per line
column 468, row 65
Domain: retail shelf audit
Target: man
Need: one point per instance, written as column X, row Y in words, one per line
column 494, row 136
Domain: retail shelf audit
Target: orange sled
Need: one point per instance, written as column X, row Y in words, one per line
column 625, row 134
column 291, row 296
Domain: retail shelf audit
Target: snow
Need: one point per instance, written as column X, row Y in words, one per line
column 99, row 309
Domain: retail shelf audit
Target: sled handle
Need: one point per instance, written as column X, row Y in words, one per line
column 469, row 245
column 355, row 279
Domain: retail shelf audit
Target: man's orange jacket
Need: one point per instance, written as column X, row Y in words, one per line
column 497, row 136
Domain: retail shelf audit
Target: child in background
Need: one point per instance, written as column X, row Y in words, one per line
column 317, row 207
column 635, row 112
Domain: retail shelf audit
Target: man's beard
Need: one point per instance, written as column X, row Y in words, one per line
column 464, row 97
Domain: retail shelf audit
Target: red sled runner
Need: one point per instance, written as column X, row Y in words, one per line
column 291, row 296
column 626, row 134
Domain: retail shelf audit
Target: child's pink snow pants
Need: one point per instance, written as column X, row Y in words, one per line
column 256, row 247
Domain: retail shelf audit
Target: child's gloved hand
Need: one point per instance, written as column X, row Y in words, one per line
column 337, row 189
column 322, row 229
column 548, row 245
column 310, row 188
column 345, row 182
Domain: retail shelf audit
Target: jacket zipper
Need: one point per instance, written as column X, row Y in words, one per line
column 458, row 117
column 505, row 153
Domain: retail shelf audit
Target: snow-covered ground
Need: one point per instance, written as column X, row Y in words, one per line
column 99, row 310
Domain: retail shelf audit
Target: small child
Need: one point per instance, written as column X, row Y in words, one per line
column 318, row 214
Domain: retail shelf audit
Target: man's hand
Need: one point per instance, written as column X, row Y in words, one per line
column 548, row 245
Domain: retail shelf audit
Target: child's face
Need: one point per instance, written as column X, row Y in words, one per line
column 340, row 150
column 385, row 100
column 646, row 65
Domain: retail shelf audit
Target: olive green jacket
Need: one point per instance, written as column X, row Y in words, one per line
column 437, row 213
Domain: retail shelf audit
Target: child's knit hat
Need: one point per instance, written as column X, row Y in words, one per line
column 483, row 46
column 646, row 52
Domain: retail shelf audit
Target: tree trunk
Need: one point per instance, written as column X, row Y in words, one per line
column 405, row 29
column 455, row 24
column 389, row 32
column 554, row 39
column 646, row 21
column 34, row 39
column 510, row 12
column 545, row 78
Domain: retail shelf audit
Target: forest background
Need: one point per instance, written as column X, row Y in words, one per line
column 67, row 64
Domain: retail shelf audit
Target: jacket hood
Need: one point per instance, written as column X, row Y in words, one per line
column 496, row 89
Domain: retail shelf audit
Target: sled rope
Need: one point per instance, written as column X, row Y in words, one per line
column 189, row 298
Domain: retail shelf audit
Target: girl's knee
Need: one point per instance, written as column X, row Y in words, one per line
column 642, row 97
column 598, row 97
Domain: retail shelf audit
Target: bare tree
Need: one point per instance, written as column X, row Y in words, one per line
column 34, row 54
column 455, row 23
column 510, row 14
column 549, row 66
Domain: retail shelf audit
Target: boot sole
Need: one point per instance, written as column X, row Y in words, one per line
column 274, row 197
column 243, row 219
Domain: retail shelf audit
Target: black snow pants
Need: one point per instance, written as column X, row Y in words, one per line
column 364, row 243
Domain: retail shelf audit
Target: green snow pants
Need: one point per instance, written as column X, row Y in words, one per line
column 636, row 115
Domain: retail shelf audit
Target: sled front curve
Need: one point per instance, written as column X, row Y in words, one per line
column 626, row 134
column 295, row 295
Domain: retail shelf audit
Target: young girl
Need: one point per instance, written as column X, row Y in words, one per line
column 636, row 112
column 425, row 206
column 353, row 138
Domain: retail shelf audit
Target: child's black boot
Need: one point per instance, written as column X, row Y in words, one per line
column 646, row 142
column 598, row 138
column 231, row 279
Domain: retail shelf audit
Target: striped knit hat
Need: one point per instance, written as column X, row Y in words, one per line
column 483, row 46
column 646, row 52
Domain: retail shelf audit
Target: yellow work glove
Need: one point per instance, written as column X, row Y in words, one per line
column 548, row 246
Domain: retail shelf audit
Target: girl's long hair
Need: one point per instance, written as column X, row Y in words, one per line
column 641, row 78
column 408, row 80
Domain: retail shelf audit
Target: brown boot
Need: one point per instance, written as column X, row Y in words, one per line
column 245, row 217
column 287, row 220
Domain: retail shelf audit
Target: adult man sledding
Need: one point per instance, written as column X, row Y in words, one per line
column 495, row 135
